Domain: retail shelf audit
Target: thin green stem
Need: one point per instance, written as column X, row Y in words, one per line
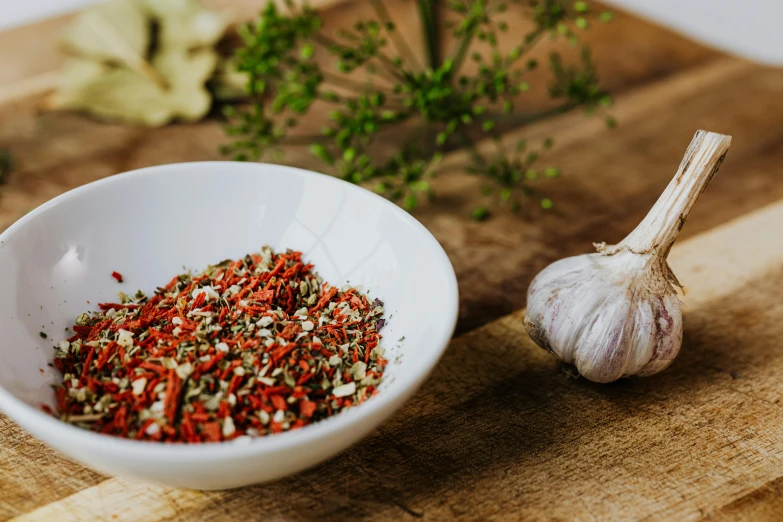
column 470, row 145
column 341, row 81
column 388, row 63
column 308, row 139
column 529, row 44
column 428, row 15
column 395, row 104
column 399, row 42
column 459, row 54
column 525, row 119
column 339, row 100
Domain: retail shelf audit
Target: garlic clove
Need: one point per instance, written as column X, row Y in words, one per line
column 616, row 313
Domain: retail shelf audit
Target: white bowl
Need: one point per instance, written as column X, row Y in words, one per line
column 147, row 225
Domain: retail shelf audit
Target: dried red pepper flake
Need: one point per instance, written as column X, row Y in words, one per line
column 117, row 276
column 307, row 408
column 253, row 346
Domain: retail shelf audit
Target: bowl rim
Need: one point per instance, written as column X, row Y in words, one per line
column 26, row 415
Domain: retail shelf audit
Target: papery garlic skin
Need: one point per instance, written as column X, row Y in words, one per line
column 608, row 315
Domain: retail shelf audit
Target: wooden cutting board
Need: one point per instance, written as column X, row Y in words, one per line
column 499, row 431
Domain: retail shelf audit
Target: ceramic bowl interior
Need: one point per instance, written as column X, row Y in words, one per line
column 148, row 224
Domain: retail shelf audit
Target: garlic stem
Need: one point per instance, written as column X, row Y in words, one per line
column 658, row 230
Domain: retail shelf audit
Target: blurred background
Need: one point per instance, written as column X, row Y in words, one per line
column 748, row 28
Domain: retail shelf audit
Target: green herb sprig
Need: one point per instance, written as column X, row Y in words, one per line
column 450, row 107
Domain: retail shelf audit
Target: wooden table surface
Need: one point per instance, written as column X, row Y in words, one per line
column 499, row 431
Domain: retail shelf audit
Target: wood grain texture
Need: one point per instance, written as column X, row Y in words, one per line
column 31, row 474
column 500, row 432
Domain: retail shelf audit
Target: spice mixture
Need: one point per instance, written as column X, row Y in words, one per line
column 248, row 347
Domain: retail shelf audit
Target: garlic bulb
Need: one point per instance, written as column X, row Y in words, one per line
column 616, row 313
